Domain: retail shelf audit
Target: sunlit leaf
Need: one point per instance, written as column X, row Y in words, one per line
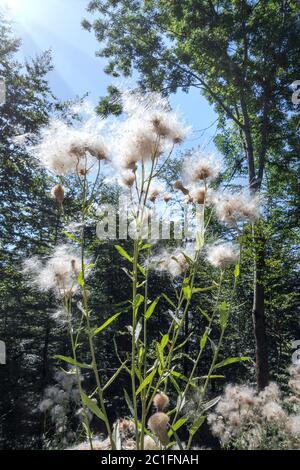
column 72, row 361
column 146, row 381
column 151, row 308
column 232, row 360
column 92, row 406
column 106, row 323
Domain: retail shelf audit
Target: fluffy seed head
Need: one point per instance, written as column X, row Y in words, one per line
column 232, row 208
column 221, row 255
column 200, row 167
column 59, row 273
column 128, row 178
column 198, row 195
column 58, row 193
column 149, row 443
column 158, row 424
column 161, row 401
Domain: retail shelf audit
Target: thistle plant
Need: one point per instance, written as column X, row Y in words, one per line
column 139, row 148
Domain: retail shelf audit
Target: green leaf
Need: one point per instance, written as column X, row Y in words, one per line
column 147, row 246
column 129, row 402
column 71, row 237
column 113, row 378
column 169, row 301
column 212, row 377
column 237, row 270
column 151, row 308
column 176, row 426
column 80, row 279
column 160, row 348
column 223, row 309
column 116, row 436
column 177, row 374
column 196, row 425
column 142, row 270
column 105, row 324
column 232, row 360
column 209, row 404
column 124, row 253
column 203, row 340
column 202, row 289
column 72, row 361
column 146, row 381
column 138, row 300
column 187, row 291
column 92, row 406
column 164, row 341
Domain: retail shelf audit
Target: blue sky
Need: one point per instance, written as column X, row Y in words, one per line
column 55, row 25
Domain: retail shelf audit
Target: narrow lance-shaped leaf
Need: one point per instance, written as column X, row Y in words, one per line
column 124, row 253
column 151, row 308
column 224, row 314
column 196, row 425
column 176, row 426
column 92, row 406
column 72, row 361
column 106, row 323
column 232, row 360
column 146, row 381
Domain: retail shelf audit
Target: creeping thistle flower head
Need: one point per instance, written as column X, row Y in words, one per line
column 198, row 194
column 221, row 255
column 155, row 191
column 201, row 168
column 174, row 262
column 59, row 273
column 160, row 401
column 158, row 424
column 58, row 193
column 148, row 132
column 252, row 420
column 233, row 208
column 127, row 178
column 149, row 443
column 64, row 149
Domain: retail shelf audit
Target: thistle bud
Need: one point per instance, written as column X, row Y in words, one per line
column 58, row 193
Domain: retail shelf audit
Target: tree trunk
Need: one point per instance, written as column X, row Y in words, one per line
column 258, row 311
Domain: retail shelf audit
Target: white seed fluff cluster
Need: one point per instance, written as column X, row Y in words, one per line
column 64, row 149
column 58, row 273
column 232, row 208
column 200, row 167
column 221, row 255
column 265, row 420
column 148, row 131
column 174, row 262
column 60, row 400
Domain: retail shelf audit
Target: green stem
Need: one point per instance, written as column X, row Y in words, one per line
column 87, row 316
column 73, row 346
